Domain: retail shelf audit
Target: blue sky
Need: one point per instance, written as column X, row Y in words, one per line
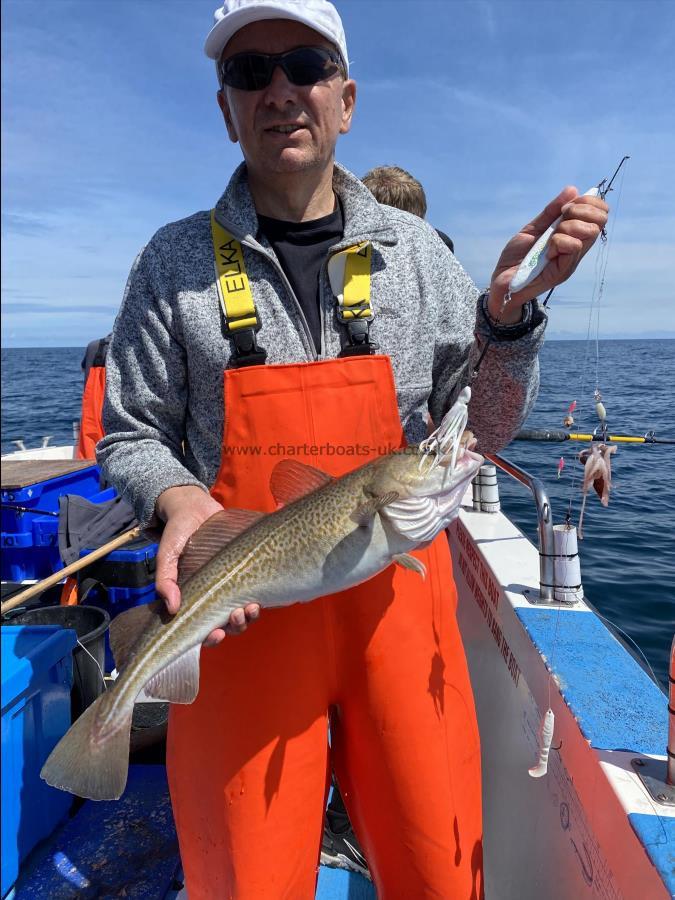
column 111, row 129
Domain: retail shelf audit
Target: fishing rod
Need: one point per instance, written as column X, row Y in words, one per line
column 601, row 190
column 536, row 259
column 555, row 435
column 28, row 509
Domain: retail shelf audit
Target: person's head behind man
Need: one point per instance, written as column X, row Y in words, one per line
column 394, row 186
column 286, row 113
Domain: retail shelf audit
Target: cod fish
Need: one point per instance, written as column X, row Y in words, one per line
column 329, row 534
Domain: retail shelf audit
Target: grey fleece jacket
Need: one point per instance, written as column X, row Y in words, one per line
column 163, row 414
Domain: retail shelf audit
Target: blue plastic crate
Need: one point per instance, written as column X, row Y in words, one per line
column 37, row 674
column 29, row 539
column 133, row 565
column 45, row 494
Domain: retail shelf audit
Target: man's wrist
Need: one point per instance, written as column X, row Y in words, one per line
column 174, row 498
column 511, row 331
column 500, row 314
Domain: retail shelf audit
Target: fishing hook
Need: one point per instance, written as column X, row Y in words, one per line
column 445, row 439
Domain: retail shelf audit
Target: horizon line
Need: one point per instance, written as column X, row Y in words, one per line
column 669, row 336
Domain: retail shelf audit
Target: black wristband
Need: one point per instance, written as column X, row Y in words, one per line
column 532, row 317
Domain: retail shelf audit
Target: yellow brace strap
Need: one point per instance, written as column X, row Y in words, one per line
column 234, row 289
column 354, row 302
column 235, row 293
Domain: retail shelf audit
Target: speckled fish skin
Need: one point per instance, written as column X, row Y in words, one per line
column 333, row 538
column 308, row 549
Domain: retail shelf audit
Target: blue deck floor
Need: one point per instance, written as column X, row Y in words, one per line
column 128, row 848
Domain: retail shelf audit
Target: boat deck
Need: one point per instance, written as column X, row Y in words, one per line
column 128, row 848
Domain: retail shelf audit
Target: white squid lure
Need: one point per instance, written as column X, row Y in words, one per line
column 545, row 740
column 448, row 435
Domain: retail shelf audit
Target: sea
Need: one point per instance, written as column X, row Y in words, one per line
column 628, row 551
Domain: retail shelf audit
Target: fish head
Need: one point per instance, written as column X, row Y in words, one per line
column 430, row 479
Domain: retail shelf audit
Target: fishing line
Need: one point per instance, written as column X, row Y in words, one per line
column 633, row 642
column 601, row 262
column 605, row 258
column 547, row 726
column 96, row 663
column 575, row 478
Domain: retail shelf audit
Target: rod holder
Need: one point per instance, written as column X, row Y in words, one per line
column 486, row 490
column 544, row 521
column 566, row 567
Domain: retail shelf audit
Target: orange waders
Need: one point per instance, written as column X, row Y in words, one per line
column 91, row 424
column 248, row 760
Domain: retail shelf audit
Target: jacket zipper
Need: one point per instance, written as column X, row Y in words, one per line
column 342, row 245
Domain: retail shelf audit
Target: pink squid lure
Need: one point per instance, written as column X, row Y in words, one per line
column 597, row 474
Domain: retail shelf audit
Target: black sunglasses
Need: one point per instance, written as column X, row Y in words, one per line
column 303, row 66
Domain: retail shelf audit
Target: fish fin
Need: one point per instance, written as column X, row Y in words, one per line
column 411, row 562
column 364, row 513
column 211, row 537
column 414, row 518
column 90, row 767
column 179, row 681
column 126, row 628
column 292, row 480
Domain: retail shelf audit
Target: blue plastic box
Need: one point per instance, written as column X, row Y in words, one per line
column 37, row 674
column 30, row 540
column 133, row 565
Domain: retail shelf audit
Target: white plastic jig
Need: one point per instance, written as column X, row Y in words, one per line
column 536, row 259
column 545, row 740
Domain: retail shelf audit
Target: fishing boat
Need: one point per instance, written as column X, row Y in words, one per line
column 578, row 795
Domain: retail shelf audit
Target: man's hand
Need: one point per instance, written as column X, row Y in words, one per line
column 583, row 219
column 184, row 509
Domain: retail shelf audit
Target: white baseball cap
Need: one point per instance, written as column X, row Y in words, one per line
column 320, row 15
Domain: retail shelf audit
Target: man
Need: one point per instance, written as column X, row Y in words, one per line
column 238, row 335
column 394, row 186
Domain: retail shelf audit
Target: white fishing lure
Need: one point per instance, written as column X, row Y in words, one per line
column 545, row 740
column 448, row 435
column 536, row 259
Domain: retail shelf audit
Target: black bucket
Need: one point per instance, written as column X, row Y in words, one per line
column 90, row 624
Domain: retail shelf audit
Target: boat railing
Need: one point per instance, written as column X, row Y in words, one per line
column 544, row 522
column 670, row 777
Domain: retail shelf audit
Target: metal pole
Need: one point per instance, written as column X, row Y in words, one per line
column 544, row 518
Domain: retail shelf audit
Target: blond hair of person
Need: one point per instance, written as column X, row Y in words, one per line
column 394, row 186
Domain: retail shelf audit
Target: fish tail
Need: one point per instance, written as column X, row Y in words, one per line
column 91, row 762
